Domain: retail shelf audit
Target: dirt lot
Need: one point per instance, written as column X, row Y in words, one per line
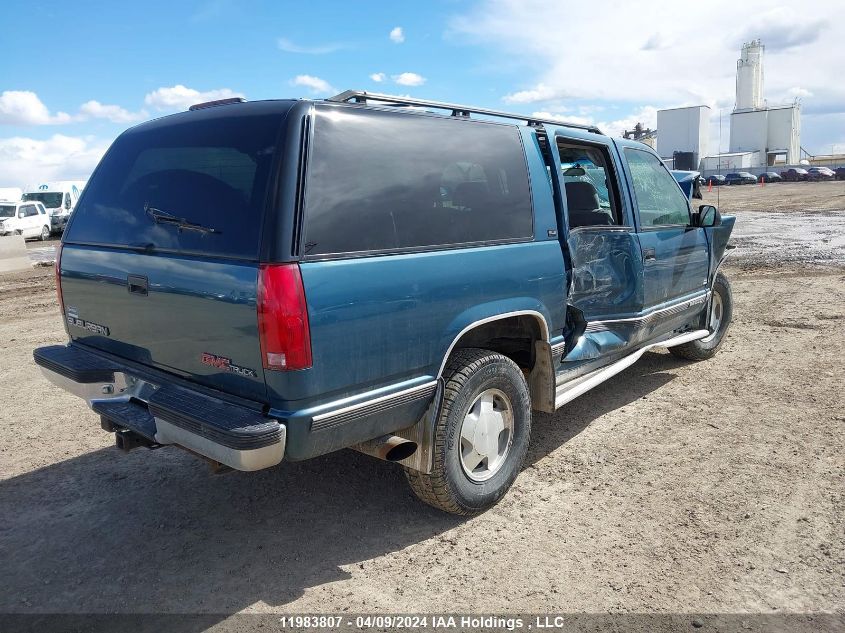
column 715, row 487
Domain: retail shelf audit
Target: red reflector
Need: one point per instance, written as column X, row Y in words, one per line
column 283, row 318
column 59, row 278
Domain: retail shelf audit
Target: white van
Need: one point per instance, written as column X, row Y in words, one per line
column 59, row 198
column 29, row 219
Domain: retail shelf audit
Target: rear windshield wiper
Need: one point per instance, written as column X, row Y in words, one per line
column 163, row 217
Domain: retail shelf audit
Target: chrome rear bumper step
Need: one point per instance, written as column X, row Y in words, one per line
column 231, row 434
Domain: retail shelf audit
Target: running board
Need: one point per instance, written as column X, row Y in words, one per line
column 568, row 391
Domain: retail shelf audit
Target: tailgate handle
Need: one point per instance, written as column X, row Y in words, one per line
column 138, row 285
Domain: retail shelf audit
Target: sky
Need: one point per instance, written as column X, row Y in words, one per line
column 74, row 75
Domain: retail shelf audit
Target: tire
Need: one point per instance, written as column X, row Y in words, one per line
column 45, row 233
column 473, row 376
column 707, row 347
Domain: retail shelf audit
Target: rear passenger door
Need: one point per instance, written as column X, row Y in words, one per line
column 601, row 242
column 675, row 254
column 31, row 221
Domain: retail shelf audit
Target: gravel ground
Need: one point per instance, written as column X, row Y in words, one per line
column 714, row 487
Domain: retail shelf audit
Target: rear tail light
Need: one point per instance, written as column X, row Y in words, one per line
column 283, row 318
column 59, row 278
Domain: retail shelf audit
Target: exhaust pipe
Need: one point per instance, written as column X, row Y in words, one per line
column 390, row 448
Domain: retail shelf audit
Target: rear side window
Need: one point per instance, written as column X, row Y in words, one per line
column 383, row 181
column 211, row 171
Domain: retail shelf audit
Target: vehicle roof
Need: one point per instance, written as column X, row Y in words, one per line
column 228, row 110
column 378, row 102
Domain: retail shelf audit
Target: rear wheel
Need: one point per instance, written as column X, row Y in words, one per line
column 481, row 435
column 721, row 312
column 45, row 233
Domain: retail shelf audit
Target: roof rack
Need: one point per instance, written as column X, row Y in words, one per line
column 362, row 96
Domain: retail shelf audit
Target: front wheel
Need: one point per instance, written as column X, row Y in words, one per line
column 719, row 320
column 481, row 435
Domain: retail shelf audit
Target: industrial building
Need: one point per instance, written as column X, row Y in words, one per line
column 760, row 135
column 683, row 135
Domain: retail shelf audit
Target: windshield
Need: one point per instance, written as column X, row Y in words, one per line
column 7, row 211
column 51, row 199
column 210, row 170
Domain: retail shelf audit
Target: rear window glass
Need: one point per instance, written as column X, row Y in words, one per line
column 197, row 185
column 383, row 181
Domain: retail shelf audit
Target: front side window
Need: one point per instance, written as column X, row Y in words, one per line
column 383, row 181
column 31, row 210
column 659, row 199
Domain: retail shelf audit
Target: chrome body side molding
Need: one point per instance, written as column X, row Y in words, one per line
column 337, row 414
column 567, row 391
column 649, row 317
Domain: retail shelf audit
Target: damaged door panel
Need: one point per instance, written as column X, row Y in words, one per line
column 607, row 283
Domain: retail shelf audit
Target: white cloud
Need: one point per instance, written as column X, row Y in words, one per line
column 647, row 115
column 314, row 84
column 397, row 35
column 26, row 160
column 378, row 77
column 541, row 92
column 696, row 66
column 631, row 67
column 180, row 97
column 22, row 107
column 409, row 79
column 96, row 110
column 321, row 49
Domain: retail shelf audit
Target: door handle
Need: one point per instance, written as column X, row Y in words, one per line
column 137, row 285
column 649, row 254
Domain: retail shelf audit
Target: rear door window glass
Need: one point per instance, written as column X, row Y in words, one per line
column 208, row 169
column 591, row 198
column 384, row 181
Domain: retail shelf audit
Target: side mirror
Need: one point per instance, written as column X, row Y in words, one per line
column 707, row 216
column 21, row 214
column 67, row 204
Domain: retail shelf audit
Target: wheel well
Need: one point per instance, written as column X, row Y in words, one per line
column 512, row 336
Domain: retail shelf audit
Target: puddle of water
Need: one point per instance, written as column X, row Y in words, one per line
column 771, row 238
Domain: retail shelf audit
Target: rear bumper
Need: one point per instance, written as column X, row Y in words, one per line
column 163, row 413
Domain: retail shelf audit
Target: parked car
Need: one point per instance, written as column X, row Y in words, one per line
column 254, row 295
column 716, row 180
column 29, row 219
column 840, row 173
column 740, row 178
column 690, row 182
column 820, row 173
column 770, row 176
column 794, row 174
